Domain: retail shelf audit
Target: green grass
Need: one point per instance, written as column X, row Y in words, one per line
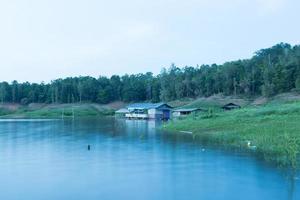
column 57, row 111
column 274, row 129
column 4, row 111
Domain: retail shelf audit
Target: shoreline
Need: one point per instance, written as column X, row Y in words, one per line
column 54, row 111
column 271, row 131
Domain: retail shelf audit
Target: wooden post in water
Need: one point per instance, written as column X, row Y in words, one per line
column 62, row 114
column 73, row 116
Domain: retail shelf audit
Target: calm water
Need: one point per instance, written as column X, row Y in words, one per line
column 128, row 160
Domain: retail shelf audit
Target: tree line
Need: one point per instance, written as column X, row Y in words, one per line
column 269, row 72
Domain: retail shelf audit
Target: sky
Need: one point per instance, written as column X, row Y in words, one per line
column 41, row 40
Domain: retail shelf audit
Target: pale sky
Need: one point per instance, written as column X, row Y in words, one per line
column 41, row 40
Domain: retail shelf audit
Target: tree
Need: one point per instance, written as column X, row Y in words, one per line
column 269, row 72
column 297, row 83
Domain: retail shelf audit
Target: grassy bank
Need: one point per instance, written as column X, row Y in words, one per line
column 54, row 110
column 273, row 128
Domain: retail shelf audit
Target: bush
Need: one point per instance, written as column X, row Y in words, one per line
column 24, row 101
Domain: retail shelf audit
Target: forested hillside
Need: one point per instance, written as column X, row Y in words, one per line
column 269, row 72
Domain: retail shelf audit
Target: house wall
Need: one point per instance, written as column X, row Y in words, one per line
column 155, row 114
column 158, row 114
column 138, row 116
column 176, row 114
column 167, row 114
column 179, row 114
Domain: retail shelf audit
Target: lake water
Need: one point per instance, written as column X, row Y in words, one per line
column 128, row 160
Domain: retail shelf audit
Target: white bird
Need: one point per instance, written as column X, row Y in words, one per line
column 252, row 147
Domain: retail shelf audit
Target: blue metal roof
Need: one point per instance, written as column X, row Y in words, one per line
column 146, row 105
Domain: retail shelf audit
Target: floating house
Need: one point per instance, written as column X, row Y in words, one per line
column 230, row 106
column 181, row 112
column 161, row 111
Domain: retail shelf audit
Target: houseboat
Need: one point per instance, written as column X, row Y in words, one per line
column 161, row 111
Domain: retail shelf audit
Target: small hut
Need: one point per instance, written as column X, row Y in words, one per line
column 122, row 112
column 231, row 106
column 185, row 111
